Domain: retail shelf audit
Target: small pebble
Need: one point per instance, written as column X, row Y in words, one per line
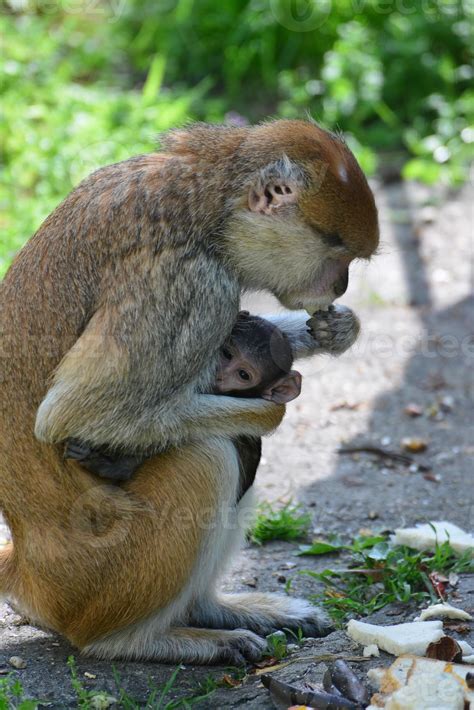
column 287, row 565
column 413, row 410
column 292, row 647
column 447, row 404
column 17, row 662
column 91, row 676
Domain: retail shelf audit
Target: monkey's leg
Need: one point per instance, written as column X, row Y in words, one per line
column 177, row 645
column 135, row 557
column 261, row 613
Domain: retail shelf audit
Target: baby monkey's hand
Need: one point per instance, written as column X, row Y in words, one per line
column 335, row 330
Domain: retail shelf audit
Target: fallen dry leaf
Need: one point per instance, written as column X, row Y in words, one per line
column 446, row 649
column 455, row 626
column 433, row 477
column 439, row 582
column 413, row 445
column 267, row 662
column 231, row 682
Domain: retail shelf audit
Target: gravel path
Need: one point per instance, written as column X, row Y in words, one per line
column 417, row 346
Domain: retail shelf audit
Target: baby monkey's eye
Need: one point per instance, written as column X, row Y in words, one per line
column 227, row 354
column 244, row 375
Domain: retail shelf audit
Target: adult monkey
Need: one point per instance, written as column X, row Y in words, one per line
column 112, row 317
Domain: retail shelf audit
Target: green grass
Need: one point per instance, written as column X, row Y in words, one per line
column 277, row 646
column 92, row 85
column 12, row 695
column 286, row 523
column 158, row 698
column 378, row 573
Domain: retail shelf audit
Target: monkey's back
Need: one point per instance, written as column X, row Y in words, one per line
column 47, row 297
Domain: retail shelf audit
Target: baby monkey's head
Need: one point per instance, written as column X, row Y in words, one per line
column 256, row 361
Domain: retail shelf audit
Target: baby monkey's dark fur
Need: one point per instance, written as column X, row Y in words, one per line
column 260, row 342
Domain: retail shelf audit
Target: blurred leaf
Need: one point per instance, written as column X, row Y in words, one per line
column 318, row 548
column 154, row 79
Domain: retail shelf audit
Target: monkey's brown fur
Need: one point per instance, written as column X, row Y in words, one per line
column 111, row 319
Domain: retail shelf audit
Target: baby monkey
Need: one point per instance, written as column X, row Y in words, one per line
column 255, row 361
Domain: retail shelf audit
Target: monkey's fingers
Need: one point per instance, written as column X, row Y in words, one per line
column 76, row 450
column 320, row 330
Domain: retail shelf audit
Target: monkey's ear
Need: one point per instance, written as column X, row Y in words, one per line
column 277, row 185
column 285, row 389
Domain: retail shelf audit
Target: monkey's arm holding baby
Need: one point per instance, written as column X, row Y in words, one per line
column 256, row 361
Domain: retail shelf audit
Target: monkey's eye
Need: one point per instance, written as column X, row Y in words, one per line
column 244, row 375
column 227, row 354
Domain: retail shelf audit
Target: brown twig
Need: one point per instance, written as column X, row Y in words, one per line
column 384, row 453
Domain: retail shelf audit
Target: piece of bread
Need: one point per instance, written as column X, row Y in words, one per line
column 413, row 683
column 445, row 611
column 397, row 639
column 424, row 537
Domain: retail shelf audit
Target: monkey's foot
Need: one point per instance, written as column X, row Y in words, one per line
column 261, row 613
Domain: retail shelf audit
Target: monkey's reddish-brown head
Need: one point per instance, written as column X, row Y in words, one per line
column 305, row 214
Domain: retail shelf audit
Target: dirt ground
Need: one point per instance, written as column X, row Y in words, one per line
column 417, row 346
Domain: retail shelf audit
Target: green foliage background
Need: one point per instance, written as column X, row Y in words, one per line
column 89, row 82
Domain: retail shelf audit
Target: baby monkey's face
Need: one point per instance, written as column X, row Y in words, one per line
column 240, row 374
column 237, row 370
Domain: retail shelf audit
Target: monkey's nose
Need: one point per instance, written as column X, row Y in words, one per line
column 340, row 286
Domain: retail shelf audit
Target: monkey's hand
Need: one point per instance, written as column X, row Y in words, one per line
column 119, row 468
column 334, row 330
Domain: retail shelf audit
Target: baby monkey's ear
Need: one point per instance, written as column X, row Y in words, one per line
column 277, row 185
column 285, row 389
